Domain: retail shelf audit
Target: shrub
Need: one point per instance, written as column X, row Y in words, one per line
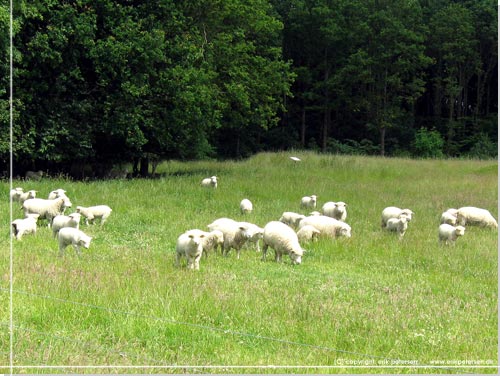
column 428, row 144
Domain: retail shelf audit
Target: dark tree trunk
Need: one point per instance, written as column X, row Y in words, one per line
column 303, row 127
column 382, row 141
column 144, row 167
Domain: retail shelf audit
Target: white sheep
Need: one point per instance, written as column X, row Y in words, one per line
column 307, row 233
column 327, row 226
column 394, row 212
column 47, row 209
column 315, row 213
column 212, row 241
column 60, row 221
column 15, row 194
column 24, row 226
column 283, row 239
column 469, row 215
column 291, row 219
column 449, row 217
column 246, row 206
column 255, row 234
column 400, row 225
column 209, row 182
column 235, row 234
column 308, row 202
column 337, row 210
column 449, row 233
column 73, row 236
column 26, row 196
column 56, row 193
column 190, row 245
column 93, row 212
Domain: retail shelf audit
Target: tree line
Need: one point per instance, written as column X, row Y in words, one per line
column 100, row 83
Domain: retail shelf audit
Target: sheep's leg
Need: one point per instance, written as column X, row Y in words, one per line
column 178, row 259
column 190, row 262
column 77, row 249
column 264, row 252
column 61, row 250
column 197, row 262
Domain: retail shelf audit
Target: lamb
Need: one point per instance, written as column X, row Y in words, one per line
column 26, row 196
column 291, row 219
column 307, row 233
column 209, row 182
column 92, row 212
column 449, row 217
column 470, row 215
column 394, row 212
column 255, row 232
column 15, row 194
column 74, row 236
column 327, row 226
column 60, row 221
column 335, row 210
column 400, row 225
column 449, row 233
column 24, row 226
column 47, row 209
column 308, row 201
column 212, row 241
column 57, row 193
column 190, row 245
column 283, row 239
column 246, row 206
column 235, row 234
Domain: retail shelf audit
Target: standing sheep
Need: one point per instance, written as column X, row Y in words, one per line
column 282, row 239
column 56, row 193
column 235, row 234
column 47, row 209
column 255, row 234
column 15, row 194
column 209, row 182
column 190, row 245
column 470, row 215
column 307, row 233
column 327, row 226
column 308, row 202
column 26, row 196
column 394, row 212
column 246, row 206
column 60, row 221
column 24, row 226
column 92, row 212
column 70, row 235
column 400, row 225
column 291, row 219
column 337, row 210
column 449, row 233
column 212, row 241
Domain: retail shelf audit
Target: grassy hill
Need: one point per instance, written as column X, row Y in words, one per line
column 352, row 304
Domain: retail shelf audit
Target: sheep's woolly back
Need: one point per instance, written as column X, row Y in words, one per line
column 246, row 206
column 45, row 208
column 327, row 226
column 307, row 233
column 478, row 216
column 291, row 218
column 450, row 233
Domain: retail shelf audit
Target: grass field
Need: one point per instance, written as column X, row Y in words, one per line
column 352, row 304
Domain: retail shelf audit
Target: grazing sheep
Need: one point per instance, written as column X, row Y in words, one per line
column 47, row 209
column 307, row 233
column 74, row 236
column 283, row 239
column 449, row 217
column 327, row 226
column 24, row 226
column 60, row 221
column 470, row 215
column 190, row 245
column 235, row 234
column 92, row 212
column 246, row 206
column 400, row 225
column 34, row 175
column 15, row 194
column 209, row 182
column 308, row 202
column 337, row 210
column 449, row 233
column 57, row 193
column 212, row 241
column 26, row 196
column 394, row 212
column 291, row 219
column 255, row 232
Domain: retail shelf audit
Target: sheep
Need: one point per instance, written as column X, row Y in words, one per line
column 470, row 215
column 26, row 196
column 308, row 201
column 24, row 226
column 394, row 212
column 283, row 239
column 255, row 234
column 57, row 193
column 209, row 182
column 400, row 225
column 291, row 219
column 449, row 217
column 92, row 212
column 315, row 213
column 212, row 241
column 190, row 245
column 60, row 221
column 307, row 233
column 335, row 210
column 235, row 234
column 74, row 236
column 327, row 226
column 15, row 194
column 449, row 233
column 246, row 206
column 47, row 209
column 34, row 175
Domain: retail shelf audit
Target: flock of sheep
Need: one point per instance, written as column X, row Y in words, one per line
column 287, row 234
column 65, row 228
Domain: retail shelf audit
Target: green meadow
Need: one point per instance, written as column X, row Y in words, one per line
column 368, row 304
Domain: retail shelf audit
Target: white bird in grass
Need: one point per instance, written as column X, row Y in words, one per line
column 295, row 159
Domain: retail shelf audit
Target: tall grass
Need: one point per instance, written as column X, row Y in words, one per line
column 362, row 301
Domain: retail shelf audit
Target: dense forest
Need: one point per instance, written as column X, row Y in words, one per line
column 100, row 83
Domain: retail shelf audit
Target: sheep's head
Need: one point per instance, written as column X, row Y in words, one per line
column 460, row 230
column 84, row 241
column 296, row 255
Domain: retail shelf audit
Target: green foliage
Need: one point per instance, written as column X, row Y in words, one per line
column 428, row 144
column 483, row 147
